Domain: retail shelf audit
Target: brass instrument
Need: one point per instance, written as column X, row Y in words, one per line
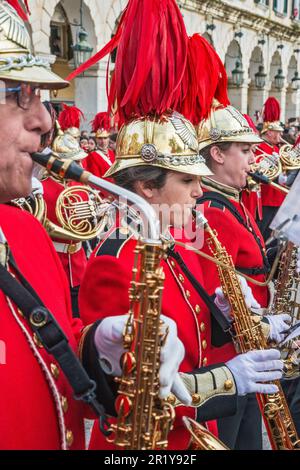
column 202, row 439
column 268, row 165
column 290, row 157
column 249, row 336
column 144, row 420
column 258, row 177
column 285, row 300
column 34, row 204
column 81, row 213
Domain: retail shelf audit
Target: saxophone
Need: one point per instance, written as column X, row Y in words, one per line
column 144, row 420
column 285, row 300
column 287, row 282
column 249, row 336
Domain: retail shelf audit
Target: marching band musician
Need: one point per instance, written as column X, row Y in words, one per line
column 157, row 157
column 70, row 252
column 70, row 119
column 35, row 392
column 42, row 373
column 271, row 198
column 226, row 141
column 100, row 160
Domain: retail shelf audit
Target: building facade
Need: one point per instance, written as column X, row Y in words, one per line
column 258, row 40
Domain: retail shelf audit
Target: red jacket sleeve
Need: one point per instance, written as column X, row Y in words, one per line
column 104, row 290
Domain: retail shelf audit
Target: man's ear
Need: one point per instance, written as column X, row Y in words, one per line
column 217, row 155
column 144, row 190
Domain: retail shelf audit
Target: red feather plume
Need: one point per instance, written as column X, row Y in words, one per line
column 251, row 123
column 151, row 59
column 101, row 121
column 21, row 9
column 205, row 78
column 70, row 116
column 271, row 111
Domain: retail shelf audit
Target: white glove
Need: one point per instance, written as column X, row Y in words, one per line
column 279, row 324
column 223, row 304
column 109, row 343
column 253, row 368
column 282, row 179
column 37, row 187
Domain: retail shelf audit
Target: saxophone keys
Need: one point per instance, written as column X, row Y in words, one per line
column 123, row 406
column 128, row 363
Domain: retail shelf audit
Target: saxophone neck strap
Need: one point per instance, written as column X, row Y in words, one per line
column 222, row 202
column 224, row 324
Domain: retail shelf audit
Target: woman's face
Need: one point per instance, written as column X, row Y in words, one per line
column 84, row 144
column 176, row 199
column 234, row 164
column 92, row 145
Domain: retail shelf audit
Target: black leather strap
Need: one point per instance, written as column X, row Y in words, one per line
column 222, row 201
column 48, row 331
column 224, row 324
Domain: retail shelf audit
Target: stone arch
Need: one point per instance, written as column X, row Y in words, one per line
column 256, row 96
column 223, row 41
column 292, row 95
column 232, row 58
column 275, row 66
column 292, row 68
column 233, row 55
column 43, row 11
column 256, row 60
column 112, row 16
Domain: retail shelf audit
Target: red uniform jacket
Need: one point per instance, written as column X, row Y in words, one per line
column 74, row 264
column 269, row 196
column 252, row 201
column 239, row 243
column 37, row 409
column 99, row 163
column 104, row 292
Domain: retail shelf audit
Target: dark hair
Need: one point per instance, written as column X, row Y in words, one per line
column 114, row 136
column 154, row 177
column 48, row 138
column 223, row 146
column 83, row 138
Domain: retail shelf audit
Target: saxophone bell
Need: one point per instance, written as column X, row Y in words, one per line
column 201, row 438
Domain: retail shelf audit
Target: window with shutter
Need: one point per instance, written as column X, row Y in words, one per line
column 262, row 2
column 280, row 6
column 296, row 10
